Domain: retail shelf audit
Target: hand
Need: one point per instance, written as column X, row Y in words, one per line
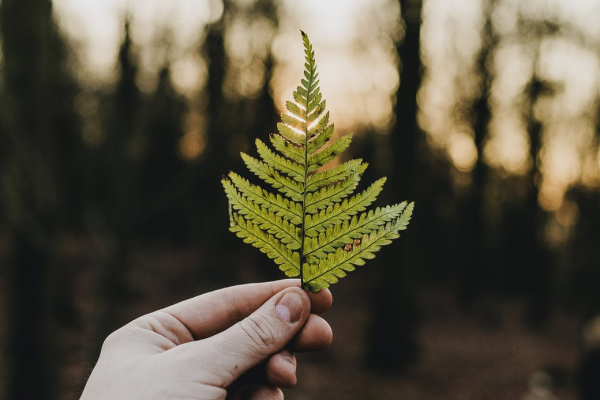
column 233, row 343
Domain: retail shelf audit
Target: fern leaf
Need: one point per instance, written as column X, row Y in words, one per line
column 317, row 107
column 286, row 148
column 294, row 122
column 279, row 205
column 329, row 153
column 314, row 227
column 281, row 228
column 346, row 232
column 333, row 175
column 316, row 124
column 340, row 212
column 287, row 260
column 329, row 195
column 292, row 169
column 329, row 270
column 320, row 140
column 267, row 173
column 295, row 109
column 290, row 133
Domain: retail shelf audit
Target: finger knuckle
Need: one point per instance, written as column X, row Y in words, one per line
column 261, row 332
column 112, row 341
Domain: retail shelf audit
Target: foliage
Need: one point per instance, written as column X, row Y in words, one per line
column 312, row 228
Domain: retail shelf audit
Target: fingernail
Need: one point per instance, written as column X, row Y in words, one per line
column 289, row 307
column 288, row 357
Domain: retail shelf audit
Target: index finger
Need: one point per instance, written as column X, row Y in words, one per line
column 213, row 312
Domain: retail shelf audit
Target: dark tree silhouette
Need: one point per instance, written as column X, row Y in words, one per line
column 233, row 123
column 536, row 265
column 117, row 190
column 262, row 116
column 265, row 115
column 585, row 256
column 393, row 342
column 38, row 187
column 164, row 181
column 215, row 161
column 476, row 274
column 584, row 249
column 265, row 112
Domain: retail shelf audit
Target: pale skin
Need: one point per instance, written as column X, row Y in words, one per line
column 233, row 343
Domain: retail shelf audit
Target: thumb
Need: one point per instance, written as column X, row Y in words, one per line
column 255, row 338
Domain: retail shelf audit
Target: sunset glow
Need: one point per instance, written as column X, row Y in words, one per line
column 355, row 43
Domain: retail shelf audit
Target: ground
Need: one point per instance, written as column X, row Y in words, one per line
column 461, row 357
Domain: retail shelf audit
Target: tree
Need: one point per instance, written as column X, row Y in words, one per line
column 537, row 267
column 266, row 115
column 118, row 172
column 233, row 123
column 475, row 274
column 164, row 177
column 215, row 161
column 39, row 185
column 392, row 338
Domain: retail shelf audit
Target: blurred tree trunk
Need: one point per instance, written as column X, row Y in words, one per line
column 266, row 115
column 475, row 277
column 38, row 187
column 264, row 118
column 215, row 161
column 584, row 247
column 117, row 190
column 586, row 255
column 536, row 265
column 407, row 134
column 392, row 343
column 164, row 179
column 233, row 124
column 264, row 122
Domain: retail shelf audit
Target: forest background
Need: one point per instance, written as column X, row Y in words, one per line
column 119, row 118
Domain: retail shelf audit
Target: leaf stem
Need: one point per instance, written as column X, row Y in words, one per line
column 303, row 226
column 305, row 186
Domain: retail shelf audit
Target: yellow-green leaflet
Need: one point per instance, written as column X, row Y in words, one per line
column 309, row 221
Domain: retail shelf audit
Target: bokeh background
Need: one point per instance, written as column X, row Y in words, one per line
column 119, row 118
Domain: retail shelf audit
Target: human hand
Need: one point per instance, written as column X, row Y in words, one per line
column 233, row 343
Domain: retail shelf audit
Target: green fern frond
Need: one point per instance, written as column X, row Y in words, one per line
column 287, row 259
column 314, row 227
column 329, row 270
column 332, row 151
column 279, row 205
column 320, row 140
column 291, row 151
column 332, row 175
column 345, row 233
column 292, row 169
column 264, row 171
column 340, row 212
column 267, row 220
column 327, row 196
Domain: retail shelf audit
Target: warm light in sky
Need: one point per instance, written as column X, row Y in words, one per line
column 354, row 42
column 568, row 61
column 96, row 26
